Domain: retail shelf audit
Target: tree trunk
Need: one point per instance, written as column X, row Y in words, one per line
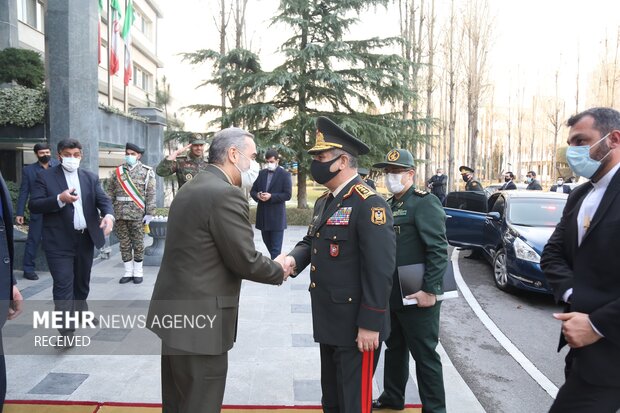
column 429, row 95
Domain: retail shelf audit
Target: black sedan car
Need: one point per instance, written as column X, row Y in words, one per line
column 509, row 229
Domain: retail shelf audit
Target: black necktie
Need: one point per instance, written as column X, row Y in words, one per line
column 330, row 198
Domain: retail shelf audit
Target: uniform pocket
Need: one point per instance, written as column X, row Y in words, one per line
column 344, row 296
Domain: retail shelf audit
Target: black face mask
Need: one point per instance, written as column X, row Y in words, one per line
column 320, row 171
column 506, row 179
column 44, row 159
column 465, row 178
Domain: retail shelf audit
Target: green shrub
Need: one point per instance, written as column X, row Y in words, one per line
column 294, row 216
column 22, row 66
column 161, row 211
column 21, row 106
column 14, row 192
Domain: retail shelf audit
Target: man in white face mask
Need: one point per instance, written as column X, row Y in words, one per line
column 419, row 222
column 209, row 250
column 271, row 190
column 77, row 215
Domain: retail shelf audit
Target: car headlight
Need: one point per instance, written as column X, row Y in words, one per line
column 525, row 252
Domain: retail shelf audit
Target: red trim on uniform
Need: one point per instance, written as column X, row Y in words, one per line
column 378, row 310
column 367, row 361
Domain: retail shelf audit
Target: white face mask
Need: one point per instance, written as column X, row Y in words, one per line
column 271, row 166
column 249, row 176
column 70, row 164
column 394, row 184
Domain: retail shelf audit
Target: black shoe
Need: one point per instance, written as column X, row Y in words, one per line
column 377, row 404
column 125, row 280
column 31, row 276
column 137, row 280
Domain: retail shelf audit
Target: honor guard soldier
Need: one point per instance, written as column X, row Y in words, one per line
column 186, row 167
column 350, row 247
column 468, row 177
column 420, row 225
column 132, row 189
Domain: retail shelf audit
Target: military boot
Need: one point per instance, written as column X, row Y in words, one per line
column 137, row 272
column 129, row 270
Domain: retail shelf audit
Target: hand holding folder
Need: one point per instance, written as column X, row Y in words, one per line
column 411, row 278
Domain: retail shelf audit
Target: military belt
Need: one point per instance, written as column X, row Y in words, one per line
column 124, row 199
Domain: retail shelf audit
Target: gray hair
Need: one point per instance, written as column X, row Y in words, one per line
column 224, row 140
column 352, row 159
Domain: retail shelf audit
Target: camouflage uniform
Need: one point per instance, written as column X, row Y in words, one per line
column 186, row 167
column 129, row 227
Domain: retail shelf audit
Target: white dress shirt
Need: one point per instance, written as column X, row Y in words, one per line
column 73, row 181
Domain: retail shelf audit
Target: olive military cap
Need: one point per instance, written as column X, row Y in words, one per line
column 133, row 147
column 465, row 170
column 197, row 140
column 397, row 157
column 331, row 136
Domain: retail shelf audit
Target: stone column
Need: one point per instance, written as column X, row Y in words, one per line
column 71, row 63
column 8, row 24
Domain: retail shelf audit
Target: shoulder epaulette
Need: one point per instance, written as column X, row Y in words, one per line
column 421, row 193
column 362, row 190
column 147, row 167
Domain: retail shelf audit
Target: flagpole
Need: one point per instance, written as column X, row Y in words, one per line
column 110, row 34
column 125, row 87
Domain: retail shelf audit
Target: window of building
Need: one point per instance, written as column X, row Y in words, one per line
column 142, row 79
column 31, row 13
column 143, row 23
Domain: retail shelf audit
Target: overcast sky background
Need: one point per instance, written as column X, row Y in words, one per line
column 532, row 39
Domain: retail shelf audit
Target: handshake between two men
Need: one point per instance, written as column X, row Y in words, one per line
column 288, row 264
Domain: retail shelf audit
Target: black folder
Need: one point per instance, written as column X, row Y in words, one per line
column 411, row 278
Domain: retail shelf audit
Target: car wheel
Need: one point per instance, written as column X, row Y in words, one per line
column 500, row 271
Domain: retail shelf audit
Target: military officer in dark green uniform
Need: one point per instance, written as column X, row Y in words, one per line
column 420, row 225
column 468, row 177
column 350, row 247
column 185, row 167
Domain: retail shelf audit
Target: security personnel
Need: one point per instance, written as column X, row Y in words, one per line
column 419, row 222
column 186, row 167
column 350, row 247
column 132, row 189
column 363, row 172
column 468, row 177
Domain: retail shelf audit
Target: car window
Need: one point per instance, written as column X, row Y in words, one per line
column 491, row 201
column 499, row 206
column 535, row 212
column 469, row 200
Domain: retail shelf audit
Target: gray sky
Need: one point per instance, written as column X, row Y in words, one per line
column 533, row 39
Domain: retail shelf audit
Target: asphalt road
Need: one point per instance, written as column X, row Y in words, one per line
column 499, row 382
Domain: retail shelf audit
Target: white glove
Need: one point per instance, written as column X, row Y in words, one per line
column 147, row 219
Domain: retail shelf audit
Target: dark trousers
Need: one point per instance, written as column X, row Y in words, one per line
column 273, row 241
column 346, row 376
column 2, row 375
column 191, row 382
column 416, row 331
column 35, row 229
column 579, row 396
column 70, row 271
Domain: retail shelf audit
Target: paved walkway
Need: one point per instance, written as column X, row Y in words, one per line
column 274, row 362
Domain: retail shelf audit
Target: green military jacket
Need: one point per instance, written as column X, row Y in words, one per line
column 350, row 247
column 420, row 226
column 186, row 168
column 473, row 185
column 143, row 179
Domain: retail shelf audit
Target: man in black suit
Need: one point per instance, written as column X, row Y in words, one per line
column 351, row 249
column 560, row 186
column 508, row 182
column 271, row 190
column 10, row 298
column 35, row 225
column 76, row 216
column 583, row 268
column 532, row 182
column 437, row 184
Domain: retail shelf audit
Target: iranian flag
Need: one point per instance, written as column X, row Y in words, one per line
column 116, row 25
column 129, row 18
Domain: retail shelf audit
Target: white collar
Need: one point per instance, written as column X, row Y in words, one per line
column 342, row 185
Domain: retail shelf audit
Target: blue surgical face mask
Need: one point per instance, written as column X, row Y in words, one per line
column 579, row 160
column 131, row 159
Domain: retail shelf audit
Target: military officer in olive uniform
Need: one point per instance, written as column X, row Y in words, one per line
column 468, row 177
column 419, row 222
column 132, row 189
column 350, row 247
column 186, row 167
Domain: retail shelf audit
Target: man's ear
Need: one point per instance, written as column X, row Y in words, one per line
column 614, row 139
